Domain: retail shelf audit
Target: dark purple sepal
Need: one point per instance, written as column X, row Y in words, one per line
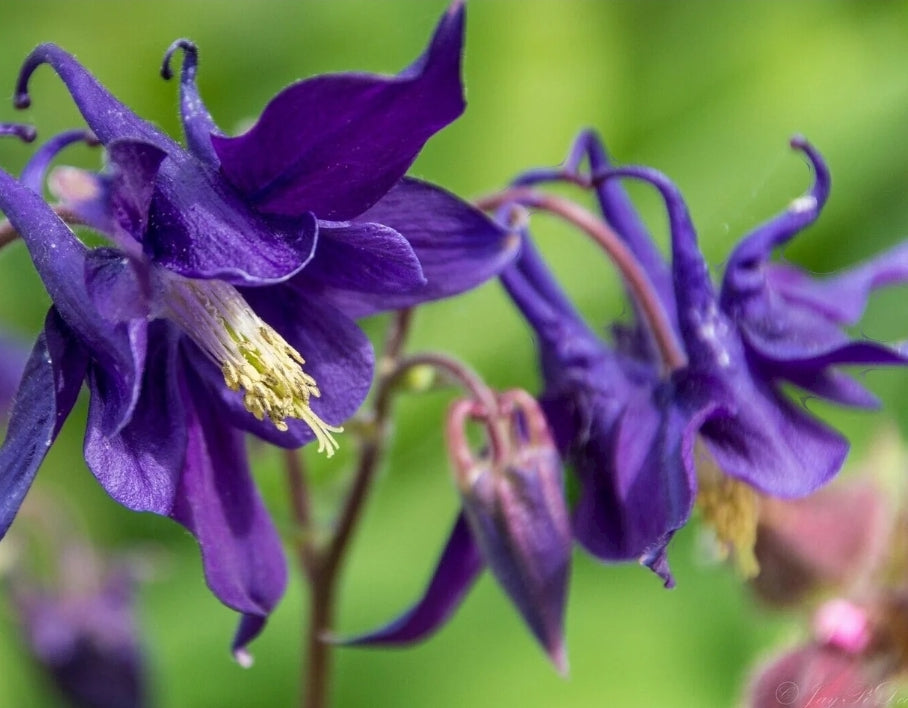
column 108, row 118
column 365, row 258
column 47, row 392
column 458, row 247
column 136, row 165
column 60, row 259
column 457, row 570
column 637, row 477
column 335, row 144
column 140, row 464
column 200, row 228
column 620, row 214
column 218, row 503
column 198, row 125
column 840, row 297
column 760, row 437
column 744, row 271
column 118, row 287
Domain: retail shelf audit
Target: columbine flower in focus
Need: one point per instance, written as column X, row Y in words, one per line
column 514, row 521
column 226, row 304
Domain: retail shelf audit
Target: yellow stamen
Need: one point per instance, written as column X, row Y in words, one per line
column 731, row 508
column 252, row 356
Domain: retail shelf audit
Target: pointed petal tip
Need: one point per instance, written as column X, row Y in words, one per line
column 558, row 656
column 657, row 561
column 243, row 657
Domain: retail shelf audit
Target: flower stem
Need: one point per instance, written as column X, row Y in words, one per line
column 483, row 395
column 8, row 232
column 321, row 566
column 634, row 276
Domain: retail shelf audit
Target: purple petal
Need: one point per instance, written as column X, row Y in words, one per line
column 832, row 385
column 117, row 286
column 14, row 355
column 694, row 293
column 49, row 387
column 765, row 440
column 364, row 258
column 35, row 170
column 197, row 122
column 457, row 570
column 335, row 144
column 621, row 215
column 60, row 259
column 108, row 118
column 637, row 479
column 743, row 272
column 457, row 246
column 200, row 228
column 218, row 502
column 136, row 168
column 337, row 352
column 843, row 296
column 140, row 465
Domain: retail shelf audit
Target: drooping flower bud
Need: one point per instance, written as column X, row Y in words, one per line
column 514, row 504
column 816, row 675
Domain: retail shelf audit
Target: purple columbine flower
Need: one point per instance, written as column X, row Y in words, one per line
column 225, row 305
column 84, row 633
column 616, row 421
column 769, row 324
column 628, row 427
column 514, row 521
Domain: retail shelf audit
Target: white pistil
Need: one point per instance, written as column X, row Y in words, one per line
column 252, row 356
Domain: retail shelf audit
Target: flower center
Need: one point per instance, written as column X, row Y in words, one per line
column 252, row 356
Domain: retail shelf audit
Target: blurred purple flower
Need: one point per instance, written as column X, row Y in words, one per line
column 514, row 521
column 616, row 422
column 88, row 642
column 628, row 429
column 233, row 260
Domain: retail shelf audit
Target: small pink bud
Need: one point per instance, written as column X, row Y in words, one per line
column 843, row 625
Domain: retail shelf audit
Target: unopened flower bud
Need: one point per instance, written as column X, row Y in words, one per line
column 514, row 504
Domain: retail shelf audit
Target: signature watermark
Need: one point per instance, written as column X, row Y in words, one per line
column 819, row 695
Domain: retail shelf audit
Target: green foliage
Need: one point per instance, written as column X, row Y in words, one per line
column 708, row 92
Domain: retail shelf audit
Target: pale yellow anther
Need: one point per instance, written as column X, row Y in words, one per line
column 253, row 357
column 731, row 509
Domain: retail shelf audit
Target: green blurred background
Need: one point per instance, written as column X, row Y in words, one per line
column 708, row 92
